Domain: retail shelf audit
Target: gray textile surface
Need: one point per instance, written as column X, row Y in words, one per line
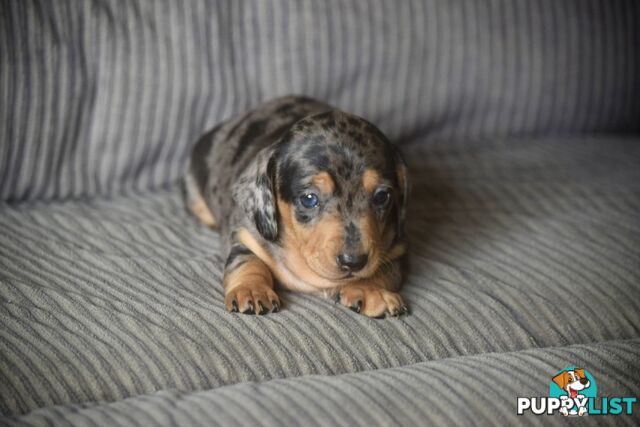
column 99, row 97
column 471, row 390
column 520, row 120
column 515, row 245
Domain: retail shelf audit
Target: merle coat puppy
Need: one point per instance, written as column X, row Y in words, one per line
column 308, row 198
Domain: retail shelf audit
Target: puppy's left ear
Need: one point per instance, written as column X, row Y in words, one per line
column 255, row 192
column 402, row 175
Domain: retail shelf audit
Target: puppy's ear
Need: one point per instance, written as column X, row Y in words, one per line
column 561, row 379
column 579, row 372
column 255, row 192
column 402, row 175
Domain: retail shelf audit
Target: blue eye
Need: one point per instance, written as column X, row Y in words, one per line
column 381, row 197
column 309, row 200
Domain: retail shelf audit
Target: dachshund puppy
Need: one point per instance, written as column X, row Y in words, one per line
column 308, row 195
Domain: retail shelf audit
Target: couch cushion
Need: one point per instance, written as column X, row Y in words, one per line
column 471, row 390
column 103, row 96
column 515, row 245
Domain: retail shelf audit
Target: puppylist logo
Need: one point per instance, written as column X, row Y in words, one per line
column 573, row 392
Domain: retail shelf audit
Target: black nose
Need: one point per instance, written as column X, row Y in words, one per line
column 352, row 262
column 584, row 381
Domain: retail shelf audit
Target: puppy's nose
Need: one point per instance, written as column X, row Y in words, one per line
column 352, row 262
column 584, row 381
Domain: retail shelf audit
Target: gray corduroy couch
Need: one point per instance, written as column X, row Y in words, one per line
column 521, row 124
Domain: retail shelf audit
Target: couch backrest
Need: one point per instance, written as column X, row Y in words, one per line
column 99, row 97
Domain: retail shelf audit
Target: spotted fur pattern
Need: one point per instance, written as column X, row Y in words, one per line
column 252, row 174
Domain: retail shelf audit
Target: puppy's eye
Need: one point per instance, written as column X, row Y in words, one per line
column 309, row 200
column 381, row 197
column 570, row 380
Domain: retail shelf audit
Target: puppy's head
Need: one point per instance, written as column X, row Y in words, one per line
column 572, row 380
column 333, row 193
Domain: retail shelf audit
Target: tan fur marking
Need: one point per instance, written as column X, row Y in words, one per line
column 311, row 250
column 308, row 263
column 323, row 182
column 299, row 244
column 249, row 288
column 290, row 276
column 376, row 296
column 254, row 272
column 370, row 180
column 397, row 251
column 245, row 237
column 372, row 301
column 202, row 212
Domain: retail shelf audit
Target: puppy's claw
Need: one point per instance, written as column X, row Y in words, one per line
column 357, row 308
column 263, row 309
column 249, row 309
column 252, row 299
column 397, row 312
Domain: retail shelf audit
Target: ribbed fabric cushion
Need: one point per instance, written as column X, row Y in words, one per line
column 472, row 390
column 100, row 97
column 516, row 244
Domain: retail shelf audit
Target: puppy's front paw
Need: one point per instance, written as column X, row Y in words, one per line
column 372, row 301
column 252, row 299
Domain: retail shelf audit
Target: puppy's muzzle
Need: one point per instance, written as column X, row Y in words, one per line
column 352, row 262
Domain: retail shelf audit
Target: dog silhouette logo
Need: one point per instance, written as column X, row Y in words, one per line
column 573, row 393
column 573, row 386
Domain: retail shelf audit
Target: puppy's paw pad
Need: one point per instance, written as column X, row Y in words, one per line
column 252, row 299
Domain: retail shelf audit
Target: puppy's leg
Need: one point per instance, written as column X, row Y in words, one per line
column 199, row 208
column 375, row 296
column 248, row 283
column 196, row 203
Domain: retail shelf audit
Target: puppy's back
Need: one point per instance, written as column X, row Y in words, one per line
column 221, row 154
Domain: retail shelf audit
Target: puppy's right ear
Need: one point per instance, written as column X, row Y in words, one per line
column 255, row 192
column 561, row 379
column 402, row 175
